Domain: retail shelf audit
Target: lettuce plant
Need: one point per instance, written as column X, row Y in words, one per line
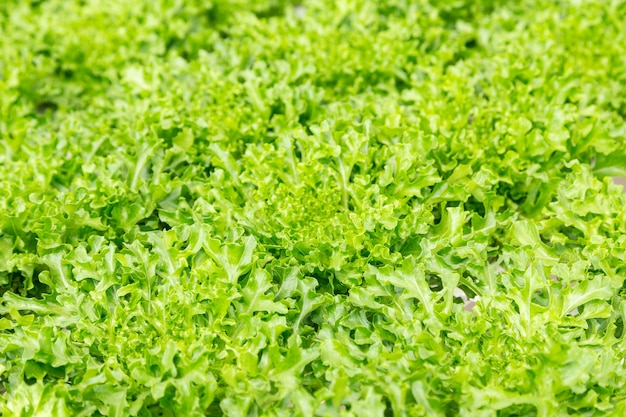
column 316, row 208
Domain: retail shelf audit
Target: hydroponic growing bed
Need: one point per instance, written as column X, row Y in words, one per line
column 322, row 208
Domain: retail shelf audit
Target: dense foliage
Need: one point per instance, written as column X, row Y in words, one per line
column 329, row 208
